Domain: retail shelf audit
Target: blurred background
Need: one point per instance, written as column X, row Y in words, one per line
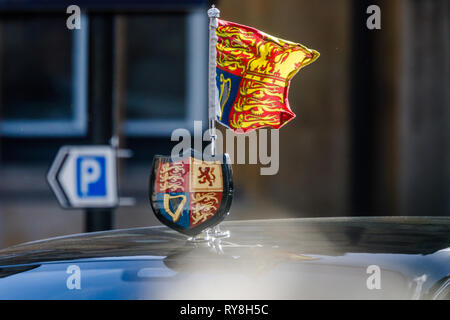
column 371, row 137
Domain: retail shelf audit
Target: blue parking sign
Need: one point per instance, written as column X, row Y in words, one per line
column 91, row 176
column 85, row 177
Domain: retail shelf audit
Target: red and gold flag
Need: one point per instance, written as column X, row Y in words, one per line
column 254, row 71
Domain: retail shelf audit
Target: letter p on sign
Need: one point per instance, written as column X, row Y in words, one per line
column 91, row 181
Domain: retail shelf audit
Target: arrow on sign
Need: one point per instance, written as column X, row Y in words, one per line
column 84, row 177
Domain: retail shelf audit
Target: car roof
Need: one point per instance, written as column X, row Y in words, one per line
column 271, row 259
column 324, row 236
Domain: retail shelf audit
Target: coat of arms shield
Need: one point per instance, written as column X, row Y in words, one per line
column 189, row 194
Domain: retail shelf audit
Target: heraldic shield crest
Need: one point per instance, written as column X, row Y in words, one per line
column 189, row 194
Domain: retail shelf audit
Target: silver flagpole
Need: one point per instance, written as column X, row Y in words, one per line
column 213, row 14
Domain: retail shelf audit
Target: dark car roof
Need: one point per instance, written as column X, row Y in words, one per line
column 408, row 247
column 328, row 236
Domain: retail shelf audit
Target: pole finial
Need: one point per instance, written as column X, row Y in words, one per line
column 213, row 12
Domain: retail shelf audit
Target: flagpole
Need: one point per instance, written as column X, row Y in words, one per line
column 213, row 14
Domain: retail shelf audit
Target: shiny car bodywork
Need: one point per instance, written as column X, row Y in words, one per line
column 319, row 258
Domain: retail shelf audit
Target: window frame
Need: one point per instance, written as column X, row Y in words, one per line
column 195, row 102
column 75, row 127
column 196, row 92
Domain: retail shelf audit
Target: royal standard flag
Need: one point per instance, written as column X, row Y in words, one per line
column 254, row 71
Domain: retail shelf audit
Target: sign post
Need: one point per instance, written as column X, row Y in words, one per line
column 101, row 103
column 86, row 177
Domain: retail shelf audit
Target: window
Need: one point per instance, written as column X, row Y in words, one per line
column 42, row 76
column 166, row 70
